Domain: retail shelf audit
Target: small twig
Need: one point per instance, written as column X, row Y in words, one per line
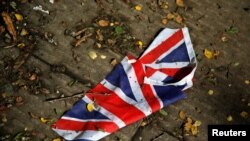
column 80, row 94
column 9, row 46
column 64, row 98
column 83, row 39
column 74, row 34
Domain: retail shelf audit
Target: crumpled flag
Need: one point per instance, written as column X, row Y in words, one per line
column 134, row 89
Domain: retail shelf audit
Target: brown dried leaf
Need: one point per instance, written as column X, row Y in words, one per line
column 99, row 35
column 9, row 25
column 182, row 115
column 103, row 23
column 180, row 3
column 244, row 114
column 164, row 21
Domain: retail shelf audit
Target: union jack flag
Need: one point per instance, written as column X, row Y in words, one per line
column 134, row 89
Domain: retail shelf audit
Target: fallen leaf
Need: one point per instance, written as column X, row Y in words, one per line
column 4, row 118
column 244, row 114
column 113, row 62
column 144, row 123
column 224, row 39
column 99, row 35
column 19, row 99
column 170, row 16
column 9, row 25
column 33, row 77
column 92, row 55
column 197, row 123
column 138, row 7
column 247, row 82
column 44, row 120
column 164, row 21
column 210, row 92
column 98, row 45
column 232, row 29
column 103, row 56
column 23, row 32
column 21, row 45
column 209, row 54
column 188, row 125
column 103, row 23
column 57, row 139
column 118, row 30
column 163, row 112
column 194, row 130
column 182, row 115
column 229, row 118
column 139, row 44
column 180, row 3
column 90, row 107
column 19, row 17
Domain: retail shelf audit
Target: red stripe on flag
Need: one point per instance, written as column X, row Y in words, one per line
column 146, row 90
column 150, row 97
column 114, row 104
column 162, row 48
column 67, row 124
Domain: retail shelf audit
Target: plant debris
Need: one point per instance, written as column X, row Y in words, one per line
column 10, row 26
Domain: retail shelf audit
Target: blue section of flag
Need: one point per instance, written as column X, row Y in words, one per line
column 169, row 94
column 180, row 54
column 80, row 111
column 119, row 78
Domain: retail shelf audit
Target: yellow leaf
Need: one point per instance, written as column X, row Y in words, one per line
column 210, row 92
column 229, row 118
column 197, row 123
column 209, row 54
column 170, row 16
column 57, row 139
column 180, row 3
column 23, row 32
column 247, row 82
column 21, row 45
column 44, row 120
column 188, row 124
column 92, row 55
column 138, row 7
column 19, row 17
column 182, row 115
column 103, row 23
column 139, row 44
column 144, row 123
column 244, row 114
column 194, row 130
column 90, row 107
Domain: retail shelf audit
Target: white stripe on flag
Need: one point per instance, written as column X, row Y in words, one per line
column 76, row 135
column 105, row 112
column 174, row 65
column 85, row 120
column 135, row 87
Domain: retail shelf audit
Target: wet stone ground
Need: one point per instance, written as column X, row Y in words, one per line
column 50, row 53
